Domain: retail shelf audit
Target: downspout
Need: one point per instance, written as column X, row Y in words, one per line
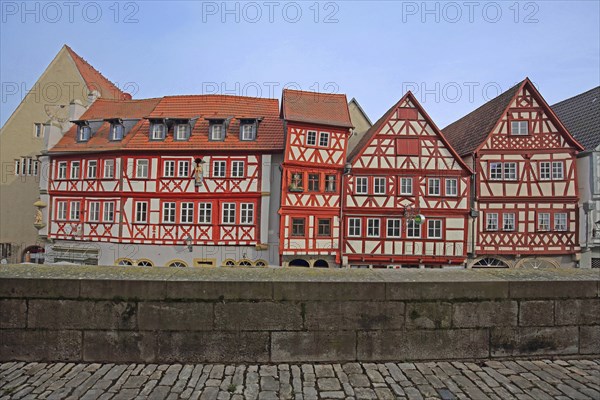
column 473, row 203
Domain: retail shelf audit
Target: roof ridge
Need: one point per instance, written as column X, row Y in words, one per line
column 577, row 95
column 72, row 53
column 220, row 95
column 311, row 92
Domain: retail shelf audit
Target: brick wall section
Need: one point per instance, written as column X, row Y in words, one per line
column 113, row 314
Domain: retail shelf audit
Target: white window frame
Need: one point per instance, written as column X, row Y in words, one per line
column 94, row 211
column 543, row 221
column 74, row 210
column 221, row 129
column 228, row 214
column 169, row 212
column 558, row 170
column 38, row 130
column 29, row 162
column 406, row 182
column 413, row 230
column 17, row 167
column 169, row 168
column 373, row 227
column 491, row 222
column 431, row 185
column 509, row 169
column 246, row 213
column 109, row 169
column 182, row 131
column 84, row 133
column 183, row 169
column 141, row 212
column 186, row 213
column 496, row 171
column 330, row 183
column 379, row 185
column 361, row 182
column 238, row 169
column 311, row 138
column 545, row 170
column 158, row 134
column 61, row 210
column 354, row 227
column 395, row 226
column 522, row 128
column 508, row 222
column 204, row 213
column 109, row 212
column 36, row 165
column 218, row 172
column 434, row 225
column 561, row 222
column 451, row 183
column 92, row 165
column 142, row 168
column 326, row 136
column 248, row 131
column 117, row 128
column 61, row 172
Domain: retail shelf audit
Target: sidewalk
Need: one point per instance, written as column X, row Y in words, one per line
column 532, row 380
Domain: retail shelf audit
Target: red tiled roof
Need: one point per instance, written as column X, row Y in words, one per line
column 269, row 134
column 316, row 108
column 470, row 131
column 95, row 80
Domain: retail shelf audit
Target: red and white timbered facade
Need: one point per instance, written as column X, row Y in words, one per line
column 526, row 184
column 317, row 129
column 403, row 167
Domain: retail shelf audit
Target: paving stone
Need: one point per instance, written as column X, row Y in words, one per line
column 328, row 384
column 324, row 371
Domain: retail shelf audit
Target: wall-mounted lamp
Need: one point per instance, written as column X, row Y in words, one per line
column 188, row 242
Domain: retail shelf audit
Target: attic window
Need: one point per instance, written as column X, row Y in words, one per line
column 217, row 131
column 158, row 131
column 248, row 130
column 117, row 131
column 84, row 132
column 182, row 131
column 519, row 128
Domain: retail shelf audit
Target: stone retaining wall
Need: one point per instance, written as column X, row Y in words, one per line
column 116, row 314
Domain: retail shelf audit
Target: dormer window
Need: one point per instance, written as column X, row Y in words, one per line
column 117, row 131
column 247, row 130
column 158, row 131
column 217, row 131
column 84, row 132
column 182, row 131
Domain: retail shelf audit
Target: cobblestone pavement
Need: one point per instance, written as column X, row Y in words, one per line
column 538, row 379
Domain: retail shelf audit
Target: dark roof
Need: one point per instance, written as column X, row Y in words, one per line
column 315, row 108
column 581, row 115
column 470, row 131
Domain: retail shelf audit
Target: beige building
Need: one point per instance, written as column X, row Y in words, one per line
column 67, row 86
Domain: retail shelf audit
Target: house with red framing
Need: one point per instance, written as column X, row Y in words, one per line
column 525, row 179
column 317, row 127
column 174, row 181
column 406, row 194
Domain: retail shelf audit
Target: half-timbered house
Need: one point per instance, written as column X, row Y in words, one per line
column 524, row 163
column 317, row 127
column 406, row 196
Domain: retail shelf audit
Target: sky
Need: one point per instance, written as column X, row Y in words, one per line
column 454, row 56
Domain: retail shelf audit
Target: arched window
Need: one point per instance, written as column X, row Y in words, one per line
column 124, row 262
column 144, row 263
column 177, row 264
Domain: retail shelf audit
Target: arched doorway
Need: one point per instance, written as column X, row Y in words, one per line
column 33, row 254
column 321, row 264
column 490, row 262
column 299, row 263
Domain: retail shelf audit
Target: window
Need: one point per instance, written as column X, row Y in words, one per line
column 296, row 185
column 74, row 169
column 168, row 213
column 508, row 222
column 204, row 213
column 74, row 211
column 142, row 169
column 313, row 182
column 219, row 169
column 545, row 171
column 62, row 170
column 373, row 225
column 330, row 183
column 362, row 184
column 248, row 131
column 543, row 221
column 94, row 212
column 141, row 212
column 38, row 130
column 393, row 227
column 354, row 227
column 158, row 131
column 434, row 186
column 324, row 139
column 169, row 169
column 491, row 222
column 5, row 250
column 217, row 132
column 311, row 138
column 324, row 227
column 187, row 213
column 109, row 212
column 519, row 128
column 84, row 133
column 17, row 167
column 298, row 226
column 109, row 169
column 406, row 186
column 434, row 229
column 229, row 213
column 496, row 171
column 61, row 210
column 117, row 131
column 560, row 222
column 510, row 171
column 413, row 230
column 29, row 167
column 558, row 172
column 246, row 213
column 451, row 187
column 406, row 146
column 183, row 169
column 379, row 186
column 237, row 169
column 91, row 169
column 182, row 131
column 36, row 165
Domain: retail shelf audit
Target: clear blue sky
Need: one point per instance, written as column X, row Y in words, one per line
column 373, row 51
